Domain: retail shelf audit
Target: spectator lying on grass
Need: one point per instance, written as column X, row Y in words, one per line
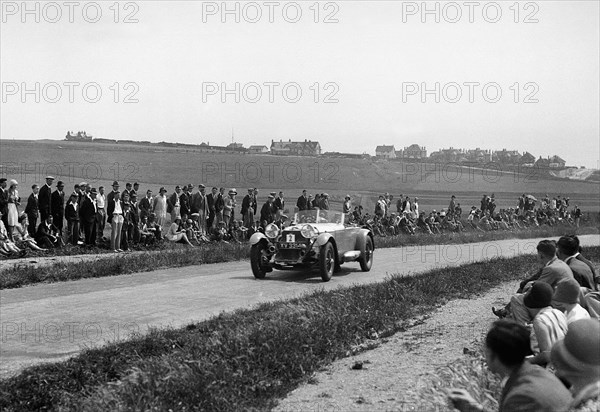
column 577, row 360
column 528, row 387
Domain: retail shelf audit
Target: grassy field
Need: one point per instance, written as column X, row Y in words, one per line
column 248, row 359
column 30, row 161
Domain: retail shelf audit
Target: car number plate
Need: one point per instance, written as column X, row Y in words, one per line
column 290, row 245
column 290, row 238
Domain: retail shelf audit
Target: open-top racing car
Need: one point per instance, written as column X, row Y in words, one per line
column 315, row 238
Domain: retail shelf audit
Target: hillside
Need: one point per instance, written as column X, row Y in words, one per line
column 72, row 162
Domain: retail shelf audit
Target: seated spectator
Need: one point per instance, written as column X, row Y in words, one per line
column 566, row 299
column 146, row 234
column 221, row 234
column 154, row 227
column 552, row 272
column 577, row 360
column 7, row 247
column 177, row 234
column 549, row 324
column 528, row 387
column 47, row 234
column 22, row 238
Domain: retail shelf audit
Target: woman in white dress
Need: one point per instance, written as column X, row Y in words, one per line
column 13, row 207
column 176, row 235
column 160, row 207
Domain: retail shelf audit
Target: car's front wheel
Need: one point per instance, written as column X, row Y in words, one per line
column 257, row 257
column 327, row 261
column 366, row 260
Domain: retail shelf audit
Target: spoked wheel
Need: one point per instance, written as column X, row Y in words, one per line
column 258, row 259
column 327, row 261
column 366, row 261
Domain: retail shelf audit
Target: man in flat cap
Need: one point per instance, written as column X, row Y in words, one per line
column 44, row 201
column 32, row 210
column 57, row 206
column 267, row 212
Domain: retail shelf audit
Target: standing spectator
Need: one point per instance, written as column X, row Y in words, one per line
column 399, row 204
column 380, row 207
column 484, row 203
column 415, row 208
column 114, row 212
column 219, row 206
column 57, row 206
column 32, row 209
column 199, row 206
column 267, row 212
column 126, row 227
column 452, row 206
column 406, row 204
column 302, row 202
column 528, row 387
column 72, row 216
column 13, row 207
column 4, row 201
column 135, row 190
column 127, row 190
column 100, row 213
column 279, row 205
column 325, row 201
column 347, row 207
column 310, row 204
column 44, row 201
column 174, row 206
column 577, row 360
column 248, row 209
column 184, row 201
column 211, row 199
column 521, row 204
column 160, row 207
column 229, row 206
column 87, row 216
column 133, row 231
column 146, row 204
column 577, row 215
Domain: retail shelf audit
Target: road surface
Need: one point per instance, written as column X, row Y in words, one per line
column 49, row 322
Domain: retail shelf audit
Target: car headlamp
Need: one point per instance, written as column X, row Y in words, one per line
column 308, row 232
column 271, row 231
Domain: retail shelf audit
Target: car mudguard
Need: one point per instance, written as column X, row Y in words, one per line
column 361, row 240
column 322, row 239
column 257, row 237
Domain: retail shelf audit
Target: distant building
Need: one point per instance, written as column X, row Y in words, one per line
column 413, row 151
column 507, row 157
column 305, row 148
column 385, row 152
column 258, row 149
column 479, row 156
column 80, row 136
column 556, row 162
column 527, row 159
column 235, row 146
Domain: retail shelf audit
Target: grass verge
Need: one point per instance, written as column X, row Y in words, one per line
column 247, row 359
column 176, row 255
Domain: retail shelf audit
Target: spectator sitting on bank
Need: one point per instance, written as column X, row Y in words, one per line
column 146, row 233
column 175, row 234
column 566, row 299
column 47, row 234
column 7, row 247
column 528, row 387
column 549, row 324
column 577, row 360
column 22, row 238
column 221, row 233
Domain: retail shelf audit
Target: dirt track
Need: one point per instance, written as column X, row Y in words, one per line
column 49, row 322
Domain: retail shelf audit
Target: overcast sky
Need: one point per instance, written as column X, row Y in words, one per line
column 374, row 61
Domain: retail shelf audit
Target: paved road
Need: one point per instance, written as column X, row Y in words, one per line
column 49, row 322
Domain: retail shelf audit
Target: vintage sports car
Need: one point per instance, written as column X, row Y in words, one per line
column 315, row 238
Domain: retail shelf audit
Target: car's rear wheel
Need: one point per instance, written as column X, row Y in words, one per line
column 327, row 261
column 257, row 257
column 366, row 260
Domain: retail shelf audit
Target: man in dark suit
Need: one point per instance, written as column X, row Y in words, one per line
column 44, row 201
column 72, row 217
column 32, row 210
column 567, row 251
column 47, row 235
column 198, row 205
column 57, row 206
column 302, row 203
column 4, row 201
column 87, row 215
column 135, row 190
column 248, row 209
column 210, row 204
column 145, row 204
column 133, row 230
column 267, row 212
column 127, row 190
column 185, row 200
column 279, row 205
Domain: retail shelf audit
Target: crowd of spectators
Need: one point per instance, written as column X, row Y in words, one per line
column 549, row 338
column 52, row 218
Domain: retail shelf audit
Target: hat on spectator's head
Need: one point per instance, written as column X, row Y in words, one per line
column 49, row 177
column 74, row 194
column 93, row 191
column 273, row 194
column 326, row 194
column 83, row 184
column 136, row 184
column 539, row 296
column 190, row 186
column 13, row 182
column 201, row 186
column 251, row 190
column 347, row 197
column 567, row 291
column 133, row 195
column 578, row 354
column 271, row 197
column 128, row 184
column 60, row 183
column 2, row 179
column 115, row 183
column 233, row 192
column 162, row 189
column 177, row 187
